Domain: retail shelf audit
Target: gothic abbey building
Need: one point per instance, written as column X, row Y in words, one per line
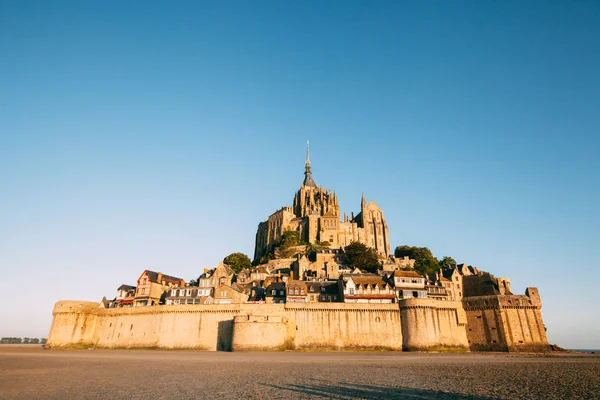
column 315, row 214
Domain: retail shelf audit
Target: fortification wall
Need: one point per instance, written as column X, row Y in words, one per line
column 431, row 324
column 505, row 323
column 259, row 332
column 228, row 327
column 345, row 326
column 74, row 323
column 494, row 323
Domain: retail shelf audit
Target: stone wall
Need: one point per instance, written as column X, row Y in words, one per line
column 506, row 323
column 433, row 325
column 74, row 322
column 345, row 326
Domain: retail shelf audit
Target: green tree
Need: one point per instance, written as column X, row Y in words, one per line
column 358, row 255
column 238, row 261
column 285, row 243
column 10, row 340
column 425, row 262
column 289, row 239
column 447, row 262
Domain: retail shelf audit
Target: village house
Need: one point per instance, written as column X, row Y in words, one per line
column 259, row 274
column 313, row 292
column 367, row 288
column 275, row 292
column 394, row 263
column 188, row 295
column 452, row 280
column 221, row 275
column 125, row 296
column 257, row 294
column 244, row 276
column 408, row 284
column 436, row 292
column 151, row 286
column 331, row 291
column 296, row 292
column 228, row 295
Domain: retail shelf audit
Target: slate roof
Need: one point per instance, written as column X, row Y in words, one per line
column 154, row 277
column 275, row 286
column 126, row 287
column 407, row 274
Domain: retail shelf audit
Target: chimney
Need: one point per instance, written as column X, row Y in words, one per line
column 159, row 278
column 205, row 270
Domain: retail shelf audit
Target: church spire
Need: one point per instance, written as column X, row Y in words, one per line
column 308, row 180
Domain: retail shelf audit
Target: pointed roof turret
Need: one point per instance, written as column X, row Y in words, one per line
column 308, row 180
column 363, row 202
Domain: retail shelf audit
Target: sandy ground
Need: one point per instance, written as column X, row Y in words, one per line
column 30, row 372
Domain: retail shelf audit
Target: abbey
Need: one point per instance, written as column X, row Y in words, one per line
column 315, row 214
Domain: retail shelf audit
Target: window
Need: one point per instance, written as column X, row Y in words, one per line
column 273, row 292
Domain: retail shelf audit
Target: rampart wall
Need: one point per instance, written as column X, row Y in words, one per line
column 412, row 324
column 506, row 323
column 431, row 324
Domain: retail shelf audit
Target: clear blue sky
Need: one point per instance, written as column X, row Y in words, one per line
column 157, row 135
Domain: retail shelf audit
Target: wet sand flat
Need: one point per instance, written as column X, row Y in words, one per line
column 30, row 372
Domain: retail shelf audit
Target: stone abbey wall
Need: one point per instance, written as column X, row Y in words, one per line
column 410, row 325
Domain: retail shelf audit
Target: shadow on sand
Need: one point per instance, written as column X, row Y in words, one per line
column 321, row 388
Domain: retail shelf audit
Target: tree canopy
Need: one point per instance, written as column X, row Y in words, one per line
column 447, row 262
column 425, row 262
column 359, row 255
column 285, row 243
column 238, row 261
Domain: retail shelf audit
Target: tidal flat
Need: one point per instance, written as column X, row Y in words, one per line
column 31, row 372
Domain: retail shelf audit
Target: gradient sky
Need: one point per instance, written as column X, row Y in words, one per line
column 137, row 134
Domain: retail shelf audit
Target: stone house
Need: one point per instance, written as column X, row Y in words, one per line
column 188, row 295
column 367, row 288
column 257, row 294
column 125, row 296
column 151, row 286
column 408, row 284
column 331, row 291
column 228, row 295
column 452, row 279
column 244, row 276
column 436, row 292
column 393, row 263
column 297, row 291
column 259, row 274
column 275, row 292
column 221, row 275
